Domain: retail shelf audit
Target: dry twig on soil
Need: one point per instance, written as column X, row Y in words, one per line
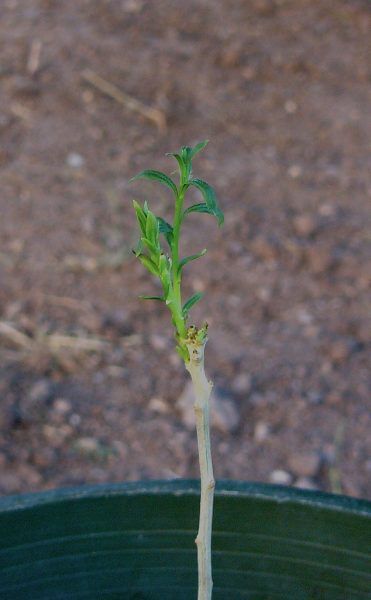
column 53, row 342
column 152, row 114
column 33, row 62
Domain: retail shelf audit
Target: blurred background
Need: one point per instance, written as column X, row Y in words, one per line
column 93, row 91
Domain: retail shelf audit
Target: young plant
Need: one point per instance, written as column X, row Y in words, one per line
column 167, row 265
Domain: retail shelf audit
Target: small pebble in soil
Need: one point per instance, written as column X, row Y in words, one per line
column 158, row 405
column 56, row 436
column 225, row 416
column 304, row 225
column 75, row 420
column 75, row 160
column 291, row 107
column 198, row 284
column 327, row 210
column 39, row 392
column 280, row 477
column 133, row 6
column 116, row 372
column 87, row 445
column 305, row 483
column 261, row 431
column 62, row 406
column 295, row 171
column 241, row 384
column 158, row 342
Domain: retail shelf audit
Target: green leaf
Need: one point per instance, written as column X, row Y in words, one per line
column 152, row 228
column 149, row 264
column 166, row 229
column 200, row 208
column 138, row 248
column 178, row 158
column 191, row 302
column 185, row 153
column 186, row 156
column 207, row 192
column 141, row 216
column 164, row 226
column 163, row 264
column 198, row 147
column 161, row 298
column 154, row 250
column 165, row 280
column 188, row 259
column 219, row 216
column 156, row 176
column 210, row 198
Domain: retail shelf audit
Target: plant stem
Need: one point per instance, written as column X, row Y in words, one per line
column 176, row 234
column 202, row 389
column 176, row 276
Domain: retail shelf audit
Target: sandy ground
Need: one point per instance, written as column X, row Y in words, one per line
column 89, row 382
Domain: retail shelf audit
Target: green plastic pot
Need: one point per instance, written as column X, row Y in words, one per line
column 136, row 541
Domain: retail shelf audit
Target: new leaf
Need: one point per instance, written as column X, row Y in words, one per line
column 197, row 148
column 191, row 302
column 149, row 264
column 152, row 298
column 141, row 216
column 200, row 208
column 156, row 176
column 210, row 198
column 166, row 229
column 188, row 259
column 152, row 228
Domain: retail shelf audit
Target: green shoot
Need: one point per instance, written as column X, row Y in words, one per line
column 164, row 261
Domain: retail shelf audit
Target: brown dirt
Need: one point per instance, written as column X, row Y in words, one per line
column 281, row 88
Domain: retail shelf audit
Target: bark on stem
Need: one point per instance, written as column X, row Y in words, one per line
column 202, row 389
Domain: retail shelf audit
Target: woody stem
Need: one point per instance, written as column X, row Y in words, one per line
column 202, row 389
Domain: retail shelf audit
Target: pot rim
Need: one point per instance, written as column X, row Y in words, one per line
column 190, row 487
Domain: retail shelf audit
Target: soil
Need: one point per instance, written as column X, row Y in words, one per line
column 89, row 381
